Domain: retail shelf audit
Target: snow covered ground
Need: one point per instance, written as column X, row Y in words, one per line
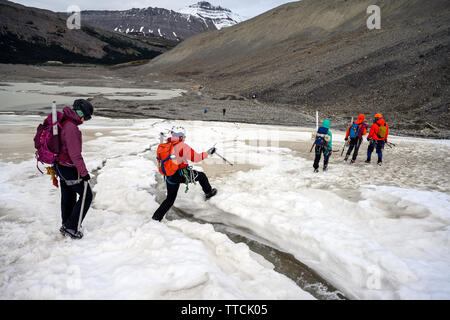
column 372, row 232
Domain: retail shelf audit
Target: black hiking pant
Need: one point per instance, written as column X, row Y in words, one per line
column 173, row 184
column 70, row 207
column 326, row 156
column 355, row 143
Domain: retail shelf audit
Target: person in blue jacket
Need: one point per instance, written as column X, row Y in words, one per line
column 323, row 145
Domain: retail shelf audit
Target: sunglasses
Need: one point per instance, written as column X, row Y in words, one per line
column 81, row 115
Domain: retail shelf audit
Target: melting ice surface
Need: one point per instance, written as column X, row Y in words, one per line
column 373, row 232
column 124, row 255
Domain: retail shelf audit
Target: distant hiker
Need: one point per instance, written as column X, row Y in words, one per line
column 355, row 132
column 224, row 111
column 173, row 159
column 71, row 169
column 377, row 137
column 323, row 144
column 205, row 111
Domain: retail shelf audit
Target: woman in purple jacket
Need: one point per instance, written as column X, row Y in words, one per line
column 71, row 168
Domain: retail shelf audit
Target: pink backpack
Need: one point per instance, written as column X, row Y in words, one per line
column 48, row 145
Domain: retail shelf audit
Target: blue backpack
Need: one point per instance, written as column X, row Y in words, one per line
column 354, row 130
column 320, row 137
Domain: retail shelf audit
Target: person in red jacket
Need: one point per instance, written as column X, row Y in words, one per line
column 183, row 153
column 355, row 131
column 71, row 169
column 377, row 137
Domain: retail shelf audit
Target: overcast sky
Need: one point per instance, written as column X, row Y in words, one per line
column 246, row 8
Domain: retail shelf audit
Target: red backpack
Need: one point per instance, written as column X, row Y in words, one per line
column 167, row 161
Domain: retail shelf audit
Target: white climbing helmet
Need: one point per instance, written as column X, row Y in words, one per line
column 178, row 132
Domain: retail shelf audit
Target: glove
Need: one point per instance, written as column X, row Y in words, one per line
column 211, row 151
column 346, row 139
column 86, row 177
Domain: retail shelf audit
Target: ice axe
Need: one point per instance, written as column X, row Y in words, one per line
column 343, row 147
column 390, row 144
column 86, row 184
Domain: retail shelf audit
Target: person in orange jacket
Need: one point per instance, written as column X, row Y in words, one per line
column 377, row 137
column 355, row 131
column 183, row 153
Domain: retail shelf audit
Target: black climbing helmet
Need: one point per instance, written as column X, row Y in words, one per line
column 85, row 107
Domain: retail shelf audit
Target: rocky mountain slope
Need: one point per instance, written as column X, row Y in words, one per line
column 221, row 17
column 155, row 22
column 320, row 55
column 31, row 35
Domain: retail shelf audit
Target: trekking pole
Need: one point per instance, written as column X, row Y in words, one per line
column 86, row 183
column 224, row 159
column 312, row 146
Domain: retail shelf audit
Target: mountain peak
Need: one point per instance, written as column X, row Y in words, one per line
column 208, row 6
column 221, row 17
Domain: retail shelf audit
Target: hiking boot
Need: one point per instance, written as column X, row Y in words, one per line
column 72, row 233
column 62, row 230
column 379, row 162
column 316, row 170
column 367, row 161
column 353, row 161
column 211, row 194
column 346, row 158
column 325, row 168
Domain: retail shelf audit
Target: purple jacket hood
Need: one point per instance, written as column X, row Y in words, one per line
column 71, row 115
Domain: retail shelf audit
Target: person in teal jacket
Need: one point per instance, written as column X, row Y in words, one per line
column 324, row 145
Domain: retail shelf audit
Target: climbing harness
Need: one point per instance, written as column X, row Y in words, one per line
column 68, row 182
column 189, row 175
